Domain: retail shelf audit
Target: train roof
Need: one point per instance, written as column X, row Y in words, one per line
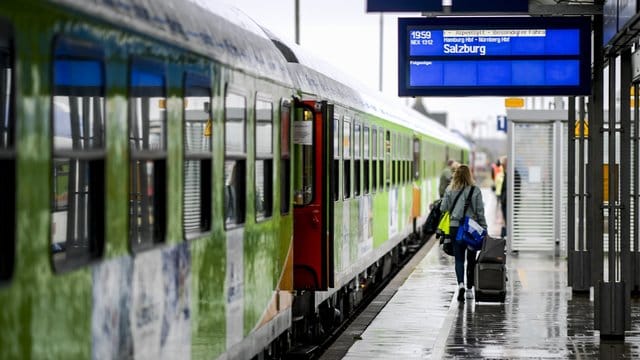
column 227, row 35
column 209, row 28
column 315, row 76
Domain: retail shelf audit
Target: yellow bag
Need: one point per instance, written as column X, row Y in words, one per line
column 444, row 223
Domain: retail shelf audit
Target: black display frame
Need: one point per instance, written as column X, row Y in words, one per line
column 582, row 24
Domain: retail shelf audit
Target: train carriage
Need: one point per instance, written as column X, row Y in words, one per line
column 371, row 185
column 177, row 182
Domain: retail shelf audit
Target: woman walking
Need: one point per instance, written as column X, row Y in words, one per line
column 462, row 184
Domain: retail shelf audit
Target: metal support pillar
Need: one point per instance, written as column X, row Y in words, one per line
column 635, row 258
column 594, row 171
column 614, row 301
column 571, row 192
column 625, row 185
column 582, row 242
column 579, row 256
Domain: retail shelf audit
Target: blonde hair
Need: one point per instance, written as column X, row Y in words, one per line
column 461, row 178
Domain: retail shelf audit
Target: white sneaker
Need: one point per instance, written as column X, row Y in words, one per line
column 469, row 293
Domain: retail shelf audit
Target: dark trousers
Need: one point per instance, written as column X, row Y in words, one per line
column 460, row 251
column 503, row 207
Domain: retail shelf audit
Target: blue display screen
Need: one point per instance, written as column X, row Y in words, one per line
column 494, row 56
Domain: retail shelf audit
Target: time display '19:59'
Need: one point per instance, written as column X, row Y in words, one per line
column 420, row 34
column 420, row 37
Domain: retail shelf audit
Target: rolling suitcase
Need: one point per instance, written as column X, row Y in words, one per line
column 491, row 272
column 490, row 282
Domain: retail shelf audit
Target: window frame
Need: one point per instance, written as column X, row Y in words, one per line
column 267, row 158
column 346, row 159
column 158, row 157
column 357, row 158
column 336, row 192
column 285, row 157
column 366, row 159
column 203, row 79
column 8, row 165
column 314, row 167
column 239, row 157
column 374, row 159
column 79, row 48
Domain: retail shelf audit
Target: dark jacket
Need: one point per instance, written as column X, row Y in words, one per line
column 503, row 192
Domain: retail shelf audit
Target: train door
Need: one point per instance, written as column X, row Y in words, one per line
column 313, row 210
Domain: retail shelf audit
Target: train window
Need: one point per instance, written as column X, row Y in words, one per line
column 356, row 159
column 336, row 158
column 264, row 159
column 285, row 162
column 367, row 159
column 394, row 153
column 415, row 163
column 78, row 103
column 402, row 163
column 7, row 153
column 197, row 155
column 304, row 169
column 387, row 157
column 381, row 166
column 235, row 157
column 148, row 154
column 374, row 159
column 346, row 154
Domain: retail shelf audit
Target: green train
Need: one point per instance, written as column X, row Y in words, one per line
column 176, row 182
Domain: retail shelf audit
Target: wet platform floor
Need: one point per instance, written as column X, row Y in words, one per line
column 540, row 319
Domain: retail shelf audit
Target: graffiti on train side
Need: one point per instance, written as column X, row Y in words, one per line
column 141, row 307
column 365, row 240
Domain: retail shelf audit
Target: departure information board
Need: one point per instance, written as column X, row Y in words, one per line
column 494, row 56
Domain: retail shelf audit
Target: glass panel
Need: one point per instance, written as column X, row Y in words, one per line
column 147, row 118
column 356, row 177
column 285, row 165
column 347, row 179
column 7, row 157
column 387, row 159
column 366, row 176
column 235, row 167
column 234, row 195
column 264, row 125
column 356, row 141
column 304, row 171
column 6, row 75
column 235, row 108
column 147, row 203
column 336, row 137
column 77, row 222
column 264, row 168
column 264, row 191
column 346, row 139
column 147, row 139
column 382, row 144
column 285, row 118
column 374, row 143
column 197, row 169
column 365, row 144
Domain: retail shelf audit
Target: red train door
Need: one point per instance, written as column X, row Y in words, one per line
column 313, row 210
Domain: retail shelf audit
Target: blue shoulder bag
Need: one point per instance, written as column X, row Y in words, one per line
column 469, row 231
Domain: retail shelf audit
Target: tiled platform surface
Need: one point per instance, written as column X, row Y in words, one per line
column 540, row 319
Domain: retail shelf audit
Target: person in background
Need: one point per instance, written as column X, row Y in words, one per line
column 463, row 181
column 445, row 176
column 503, row 191
column 496, row 169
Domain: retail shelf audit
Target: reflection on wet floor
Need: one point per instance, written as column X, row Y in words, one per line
column 541, row 318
